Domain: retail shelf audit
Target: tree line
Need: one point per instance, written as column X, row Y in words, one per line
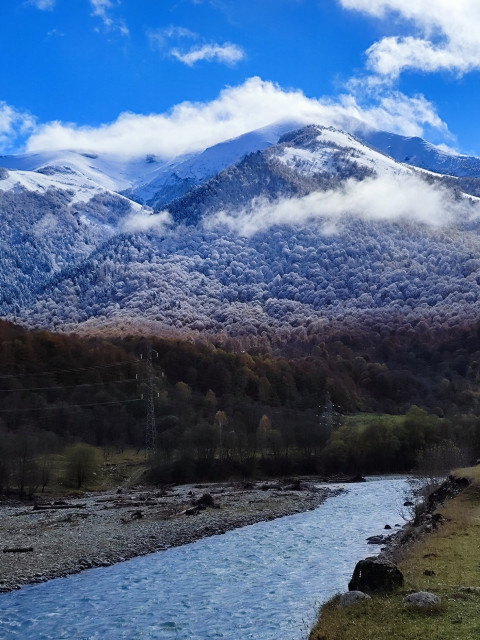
column 222, row 411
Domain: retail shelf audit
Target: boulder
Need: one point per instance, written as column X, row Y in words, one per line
column 421, row 600
column 357, row 478
column 206, row 500
column 376, row 575
column 352, row 597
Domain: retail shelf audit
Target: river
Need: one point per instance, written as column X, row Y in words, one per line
column 262, row 582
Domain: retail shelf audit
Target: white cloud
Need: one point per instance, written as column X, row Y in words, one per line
column 159, row 37
column 227, row 53
column 43, row 5
column 55, row 33
column 388, row 198
column 147, row 221
column 13, row 124
column 237, row 110
column 101, row 10
column 448, row 35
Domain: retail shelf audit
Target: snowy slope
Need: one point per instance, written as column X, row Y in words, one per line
column 317, row 150
column 112, row 173
column 144, row 179
column 310, row 159
column 82, row 188
column 174, row 178
column 420, row 153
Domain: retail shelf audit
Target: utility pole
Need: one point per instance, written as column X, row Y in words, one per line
column 150, row 427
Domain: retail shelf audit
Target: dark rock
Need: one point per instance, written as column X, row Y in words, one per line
column 295, row 485
column 376, row 540
column 437, row 519
column 450, row 488
column 408, row 503
column 387, row 526
column 357, row 478
column 191, row 512
column 429, row 572
column 375, row 575
column 206, row 500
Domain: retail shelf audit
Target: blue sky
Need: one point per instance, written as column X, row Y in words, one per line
column 154, row 76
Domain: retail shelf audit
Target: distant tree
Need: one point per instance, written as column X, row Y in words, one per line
column 264, row 427
column 81, row 463
column 23, row 453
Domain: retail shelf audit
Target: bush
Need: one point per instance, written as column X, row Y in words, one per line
column 81, row 464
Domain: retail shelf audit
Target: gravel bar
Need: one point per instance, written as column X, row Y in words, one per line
column 100, row 529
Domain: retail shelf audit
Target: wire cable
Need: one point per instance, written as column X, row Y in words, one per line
column 72, row 386
column 70, row 406
column 47, row 373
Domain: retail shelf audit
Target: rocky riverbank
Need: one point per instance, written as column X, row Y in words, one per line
column 425, row 521
column 427, row 571
column 49, row 540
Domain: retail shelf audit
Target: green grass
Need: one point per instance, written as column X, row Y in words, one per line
column 116, row 469
column 363, row 420
column 453, row 554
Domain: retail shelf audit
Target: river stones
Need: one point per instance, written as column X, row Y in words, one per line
column 421, row 600
column 375, row 575
column 352, row 597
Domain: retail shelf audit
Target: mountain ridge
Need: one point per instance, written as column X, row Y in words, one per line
column 336, row 229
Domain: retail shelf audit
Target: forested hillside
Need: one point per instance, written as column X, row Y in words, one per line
column 221, row 411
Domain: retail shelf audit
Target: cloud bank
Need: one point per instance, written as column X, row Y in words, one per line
column 385, row 198
column 449, row 33
column 192, row 126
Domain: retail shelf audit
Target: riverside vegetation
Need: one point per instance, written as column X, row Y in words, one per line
column 445, row 563
column 345, row 405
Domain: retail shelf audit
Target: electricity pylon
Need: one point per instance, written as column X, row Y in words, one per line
column 150, row 426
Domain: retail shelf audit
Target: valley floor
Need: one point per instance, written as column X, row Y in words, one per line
column 100, row 529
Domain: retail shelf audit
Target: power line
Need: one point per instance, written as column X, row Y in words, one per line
column 47, row 373
column 72, row 386
column 70, row 406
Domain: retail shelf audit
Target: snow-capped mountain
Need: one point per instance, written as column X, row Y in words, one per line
column 306, row 160
column 423, row 154
column 294, row 230
column 148, row 180
column 173, row 179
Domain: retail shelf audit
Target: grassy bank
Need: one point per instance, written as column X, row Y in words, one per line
column 451, row 557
